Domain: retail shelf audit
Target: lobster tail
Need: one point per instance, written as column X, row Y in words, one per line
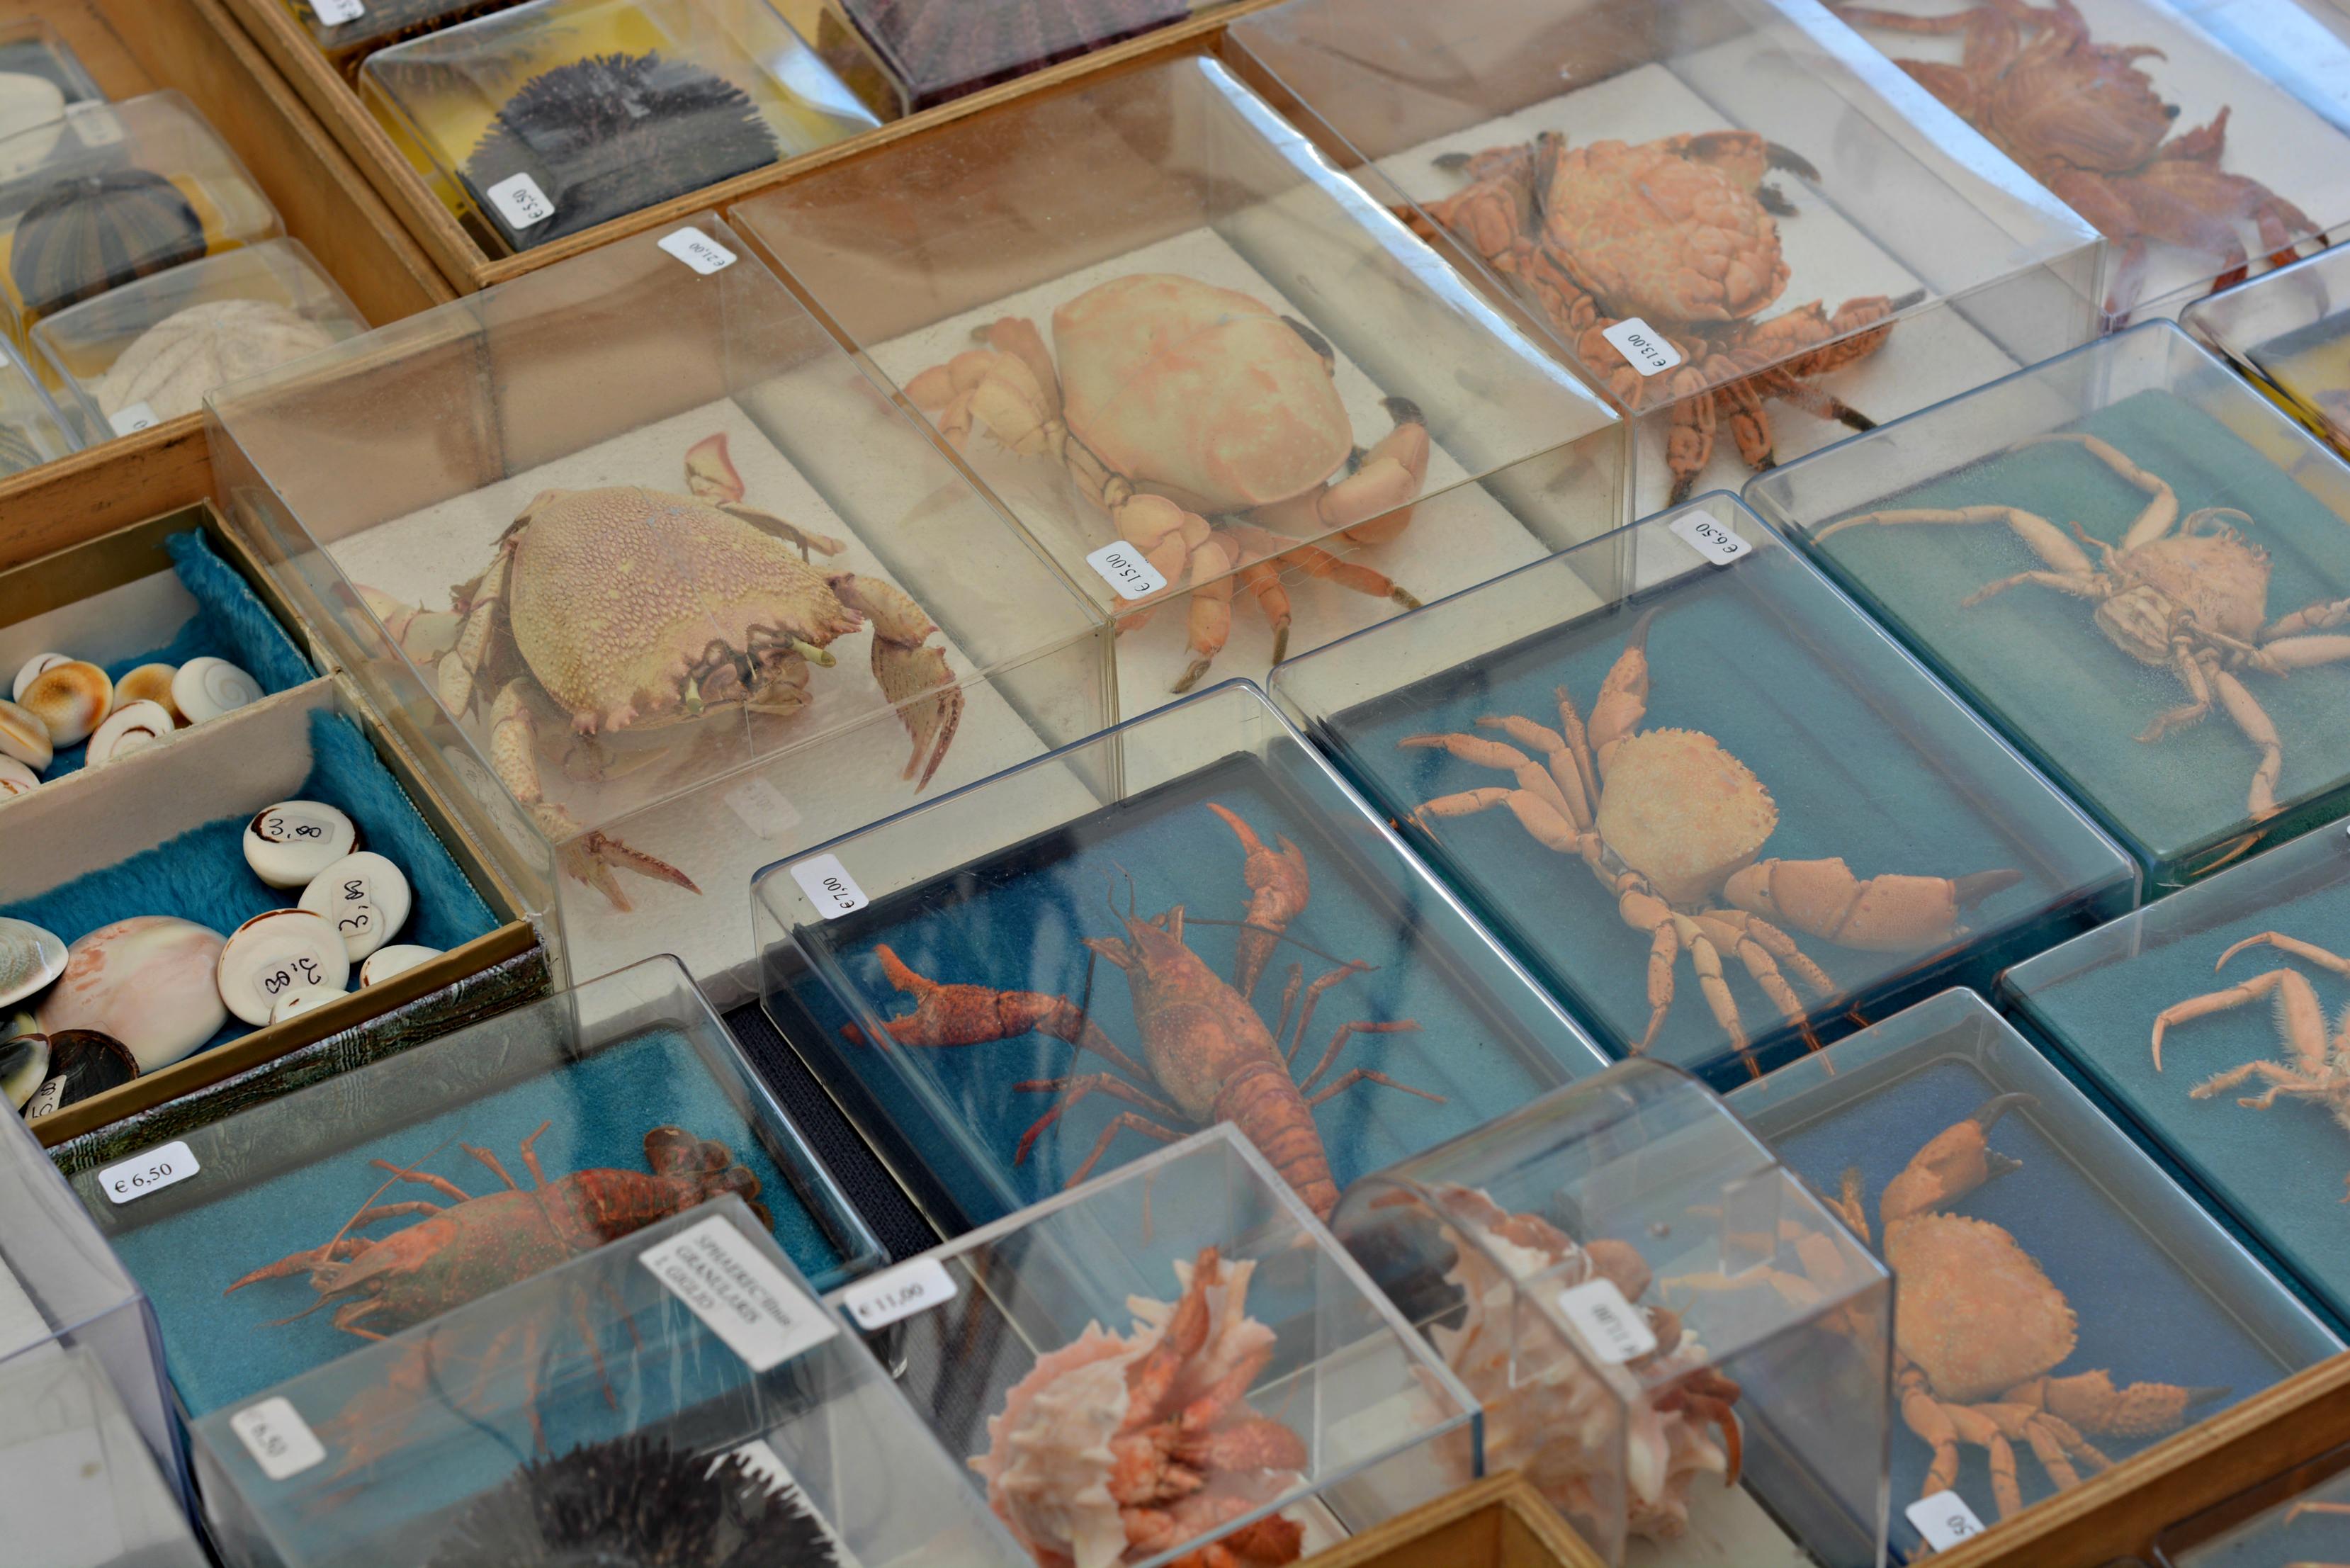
column 1263, row 1101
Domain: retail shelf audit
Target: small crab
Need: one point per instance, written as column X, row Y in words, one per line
column 623, row 609
column 1175, row 402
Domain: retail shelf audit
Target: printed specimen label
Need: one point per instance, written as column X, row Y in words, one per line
column 1612, row 1326
column 742, row 1297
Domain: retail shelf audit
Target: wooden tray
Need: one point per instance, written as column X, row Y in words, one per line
column 1499, row 1522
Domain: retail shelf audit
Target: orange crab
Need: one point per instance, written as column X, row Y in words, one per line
column 1677, row 236
column 2085, row 121
column 1174, row 402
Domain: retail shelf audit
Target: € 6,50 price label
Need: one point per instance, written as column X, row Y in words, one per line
column 1129, row 576
column 898, row 1293
column 149, row 1172
column 280, row 1440
column 830, row 886
column 1709, row 538
column 1944, row 1520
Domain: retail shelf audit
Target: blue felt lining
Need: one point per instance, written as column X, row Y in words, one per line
column 202, row 875
column 231, row 622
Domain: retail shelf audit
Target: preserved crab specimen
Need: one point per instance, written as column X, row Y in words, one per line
column 1677, row 234
column 1208, row 427
column 2085, row 121
column 1117, row 1446
column 626, row 610
column 1669, row 823
column 2191, row 593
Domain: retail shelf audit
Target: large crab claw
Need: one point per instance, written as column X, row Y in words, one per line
column 1009, row 387
column 421, row 634
column 1373, row 504
column 913, row 675
column 710, row 475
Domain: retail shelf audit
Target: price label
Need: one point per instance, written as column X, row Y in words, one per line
column 280, row 1440
column 149, row 1172
column 137, row 417
column 898, row 1293
column 1944, row 1520
column 520, row 201
column 1709, row 538
column 335, row 13
column 1612, row 1326
column 742, row 1297
column 698, row 251
column 830, row 886
column 762, row 808
column 1129, row 576
column 1643, row 346
column 95, row 124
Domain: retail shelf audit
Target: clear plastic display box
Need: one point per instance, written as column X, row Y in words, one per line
column 543, row 120
column 1872, row 257
column 149, row 350
column 1031, row 948
column 347, row 31
column 2063, row 1304
column 1195, row 1280
column 31, row 48
column 828, row 624
column 2170, row 126
column 1612, row 1272
column 1231, row 396
column 2299, row 1519
column 113, row 191
column 2055, row 545
column 2289, row 330
column 32, row 430
column 276, row 1234
column 937, row 50
column 679, row 1395
column 2210, row 1019
column 1724, row 818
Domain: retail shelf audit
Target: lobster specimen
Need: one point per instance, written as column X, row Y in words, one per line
column 2085, row 121
column 1669, row 823
column 1205, row 1047
column 1677, row 236
column 1119, row 1444
column 2320, row 1069
column 2189, row 593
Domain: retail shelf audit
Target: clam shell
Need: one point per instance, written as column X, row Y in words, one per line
column 296, row 1002
column 16, row 778
column 82, row 1063
column 24, row 1064
column 275, row 954
column 72, row 698
column 148, row 981
column 207, row 687
column 150, row 683
column 30, row 958
column 175, row 363
column 33, row 667
column 397, row 958
column 364, row 897
column 289, row 844
column 132, row 727
column 24, row 737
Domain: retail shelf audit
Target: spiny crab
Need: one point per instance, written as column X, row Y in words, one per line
column 1669, row 822
column 624, row 609
column 1677, row 233
column 2085, row 121
column 1209, row 428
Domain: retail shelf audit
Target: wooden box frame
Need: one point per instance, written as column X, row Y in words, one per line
column 1500, row 1521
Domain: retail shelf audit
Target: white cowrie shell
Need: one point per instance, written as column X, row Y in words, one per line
column 72, row 698
column 24, row 737
column 33, row 669
column 149, row 683
column 16, row 778
column 291, row 842
column 397, row 958
column 129, row 728
column 208, row 688
column 294, row 1001
column 364, row 897
column 275, row 954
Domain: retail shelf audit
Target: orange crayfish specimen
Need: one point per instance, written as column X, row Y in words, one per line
column 1206, row 1050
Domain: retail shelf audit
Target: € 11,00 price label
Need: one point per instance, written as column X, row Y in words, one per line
column 898, row 1293
column 149, row 1172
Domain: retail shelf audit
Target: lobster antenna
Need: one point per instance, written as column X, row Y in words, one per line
column 1279, row 937
column 399, row 1174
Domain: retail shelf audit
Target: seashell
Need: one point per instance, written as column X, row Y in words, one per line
column 33, row 667
column 294, row 1001
column 32, row 118
column 24, row 1065
column 72, row 698
column 208, row 688
column 364, row 897
column 172, row 365
column 275, row 954
column 82, row 1063
column 147, row 982
column 90, row 233
column 150, row 683
column 289, row 844
column 132, row 727
column 24, row 737
column 397, row 958
column 30, row 957
column 16, row 778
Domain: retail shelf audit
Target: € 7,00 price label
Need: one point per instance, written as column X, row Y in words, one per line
column 829, row 886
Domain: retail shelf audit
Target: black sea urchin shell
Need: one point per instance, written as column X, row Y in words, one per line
column 636, row 1503
column 88, row 233
column 611, row 133
column 942, row 49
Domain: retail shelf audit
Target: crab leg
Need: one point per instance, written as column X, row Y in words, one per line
column 913, row 675
column 2300, row 1020
column 1885, row 913
column 454, row 676
column 2045, row 538
column 1321, row 564
column 587, row 856
column 2306, row 652
column 1623, row 696
column 2322, row 615
column 2293, row 945
column 2258, row 728
column 2161, row 513
column 1532, row 776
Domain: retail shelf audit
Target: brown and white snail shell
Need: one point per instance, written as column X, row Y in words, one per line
column 132, row 727
column 31, row 957
column 275, row 954
column 82, row 1063
column 289, row 844
column 16, row 778
column 150, row 683
column 33, row 667
column 148, row 981
column 72, row 698
column 207, row 687
column 24, row 737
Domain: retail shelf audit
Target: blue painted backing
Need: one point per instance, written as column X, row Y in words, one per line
column 221, row 1348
